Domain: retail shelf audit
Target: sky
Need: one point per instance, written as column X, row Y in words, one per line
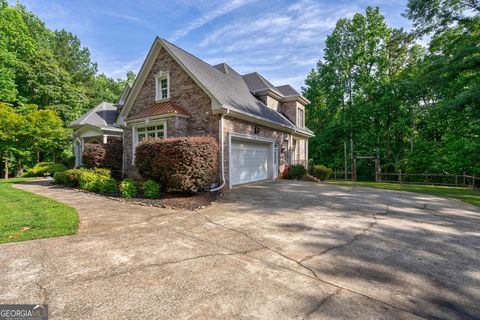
column 282, row 40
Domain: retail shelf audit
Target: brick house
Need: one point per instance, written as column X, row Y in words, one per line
column 260, row 127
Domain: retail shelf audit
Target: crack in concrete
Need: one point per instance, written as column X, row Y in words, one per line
column 43, row 289
column 314, row 275
column 321, row 303
column 259, row 243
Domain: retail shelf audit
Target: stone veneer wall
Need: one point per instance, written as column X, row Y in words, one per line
column 184, row 92
column 271, row 103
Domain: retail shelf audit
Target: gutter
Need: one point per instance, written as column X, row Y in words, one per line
column 222, row 164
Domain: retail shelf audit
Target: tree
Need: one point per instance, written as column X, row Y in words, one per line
column 435, row 16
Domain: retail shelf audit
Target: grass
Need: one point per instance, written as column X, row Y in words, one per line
column 467, row 195
column 27, row 216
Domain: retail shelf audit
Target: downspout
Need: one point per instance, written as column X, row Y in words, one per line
column 222, row 164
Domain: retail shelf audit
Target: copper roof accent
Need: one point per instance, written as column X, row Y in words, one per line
column 159, row 109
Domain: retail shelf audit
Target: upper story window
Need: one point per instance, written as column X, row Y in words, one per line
column 300, row 117
column 162, row 86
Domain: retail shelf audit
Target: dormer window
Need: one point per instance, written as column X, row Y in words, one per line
column 162, row 86
column 300, row 118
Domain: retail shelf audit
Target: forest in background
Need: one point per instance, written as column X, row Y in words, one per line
column 47, row 80
column 378, row 92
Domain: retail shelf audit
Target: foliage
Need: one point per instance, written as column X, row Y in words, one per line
column 42, row 169
column 93, row 155
column 27, row 216
column 128, row 188
column 70, row 178
column 102, row 172
column 113, row 156
column 89, row 181
column 104, row 156
column 186, row 164
column 151, row 189
column 296, row 172
column 106, row 184
column 378, row 93
column 321, row 172
column 47, row 80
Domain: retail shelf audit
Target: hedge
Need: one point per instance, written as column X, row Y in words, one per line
column 187, row 164
column 104, row 156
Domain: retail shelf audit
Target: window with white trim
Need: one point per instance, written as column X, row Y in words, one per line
column 300, row 117
column 148, row 131
column 162, row 86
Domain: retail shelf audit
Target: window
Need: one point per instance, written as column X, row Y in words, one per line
column 150, row 131
column 162, row 87
column 300, row 118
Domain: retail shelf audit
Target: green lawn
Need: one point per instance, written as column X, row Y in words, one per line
column 464, row 194
column 27, row 216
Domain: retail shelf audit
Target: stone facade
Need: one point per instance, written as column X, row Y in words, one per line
column 184, row 92
column 202, row 121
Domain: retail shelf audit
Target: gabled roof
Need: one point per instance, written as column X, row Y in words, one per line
column 230, row 90
column 102, row 116
column 160, row 109
column 221, row 83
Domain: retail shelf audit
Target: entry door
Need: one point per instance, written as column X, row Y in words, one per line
column 250, row 161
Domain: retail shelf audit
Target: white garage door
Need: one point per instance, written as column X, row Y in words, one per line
column 249, row 162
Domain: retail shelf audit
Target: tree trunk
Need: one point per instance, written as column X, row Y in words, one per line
column 37, row 154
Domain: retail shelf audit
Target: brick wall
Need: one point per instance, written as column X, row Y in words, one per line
column 184, row 92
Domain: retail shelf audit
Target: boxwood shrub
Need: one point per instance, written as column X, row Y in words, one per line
column 187, row 164
column 151, row 189
column 321, row 172
column 128, row 188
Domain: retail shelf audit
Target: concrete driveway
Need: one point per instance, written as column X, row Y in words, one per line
column 281, row 250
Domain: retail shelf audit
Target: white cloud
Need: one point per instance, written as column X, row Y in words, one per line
column 283, row 42
column 224, row 9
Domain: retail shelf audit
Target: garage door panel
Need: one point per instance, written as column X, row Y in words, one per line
column 249, row 161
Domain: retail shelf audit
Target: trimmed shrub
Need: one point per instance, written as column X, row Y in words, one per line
column 187, row 164
column 102, row 172
column 106, row 184
column 104, row 156
column 89, row 181
column 113, row 156
column 93, row 155
column 128, row 188
column 43, row 169
column 321, row 172
column 70, row 178
column 151, row 189
column 296, row 172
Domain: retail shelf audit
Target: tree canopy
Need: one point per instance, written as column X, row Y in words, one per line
column 379, row 93
column 47, row 80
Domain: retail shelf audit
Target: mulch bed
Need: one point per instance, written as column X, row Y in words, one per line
column 175, row 201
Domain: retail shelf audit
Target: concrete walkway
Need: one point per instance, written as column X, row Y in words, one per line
column 283, row 250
